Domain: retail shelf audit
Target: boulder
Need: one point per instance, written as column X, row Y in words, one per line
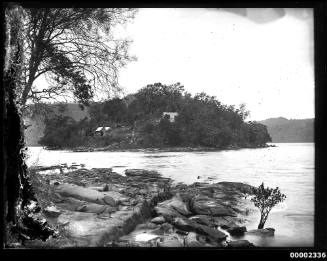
column 86, row 194
column 116, row 196
column 52, row 211
column 177, row 204
column 131, row 191
column 147, row 225
column 236, row 231
column 240, row 243
column 158, row 220
column 225, row 222
column 166, row 227
column 208, row 191
column 213, row 234
column 194, row 240
column 181, row 232
column 203, row 220
column 170, row 241
column 114, row 187
column 166, row 212
column 69, row 203
column 265, row 232
column 204, row 205
column 109, row 200
column 192, row 226
column 185, row 224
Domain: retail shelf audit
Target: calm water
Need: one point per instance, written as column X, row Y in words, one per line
column 290, row 166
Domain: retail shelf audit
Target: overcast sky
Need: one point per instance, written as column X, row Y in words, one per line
column 264, row 59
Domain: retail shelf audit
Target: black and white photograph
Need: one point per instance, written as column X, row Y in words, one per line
column 159, row 127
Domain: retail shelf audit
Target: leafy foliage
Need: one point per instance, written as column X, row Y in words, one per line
column 75, row 49
column 63, row 131
column 157, row 97
column 265, row 199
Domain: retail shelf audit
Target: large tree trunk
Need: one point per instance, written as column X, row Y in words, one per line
column 15, row 180
column 20, row 219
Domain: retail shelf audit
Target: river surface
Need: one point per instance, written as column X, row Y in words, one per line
column 290, row 166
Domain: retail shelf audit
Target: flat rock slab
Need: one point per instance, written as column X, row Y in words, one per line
column 52, row 211
column 90, row 229
column 158, row 220
column 240, row 244
column 209, row 206
column 265, row 232
column 176, row 204
column 167, row 213
column 226, row 222
column 111, row 198
column 192, row 226
column 236, row 231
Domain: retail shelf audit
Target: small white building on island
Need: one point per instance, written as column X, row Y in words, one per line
column 171, row 115
column 102, row 131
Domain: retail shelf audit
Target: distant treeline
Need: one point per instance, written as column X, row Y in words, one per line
column 137, row 121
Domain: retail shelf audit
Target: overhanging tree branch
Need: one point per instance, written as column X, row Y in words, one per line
column 74, row 46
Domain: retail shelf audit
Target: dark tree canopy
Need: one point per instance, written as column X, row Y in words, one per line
column 76, row 51
column 201, row 120
column 158, row 97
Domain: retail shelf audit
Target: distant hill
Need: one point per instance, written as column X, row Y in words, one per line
column 284, row 130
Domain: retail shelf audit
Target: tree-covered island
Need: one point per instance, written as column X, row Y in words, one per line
column 157, row 116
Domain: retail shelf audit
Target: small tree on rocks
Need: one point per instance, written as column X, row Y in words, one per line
column 265, row 199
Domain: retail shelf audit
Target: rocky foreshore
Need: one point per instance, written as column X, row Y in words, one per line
column 98, row 207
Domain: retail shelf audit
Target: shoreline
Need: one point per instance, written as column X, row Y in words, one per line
column 143, row 209
column 159, row 149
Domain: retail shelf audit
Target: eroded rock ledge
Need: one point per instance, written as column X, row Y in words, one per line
column 99, row 207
